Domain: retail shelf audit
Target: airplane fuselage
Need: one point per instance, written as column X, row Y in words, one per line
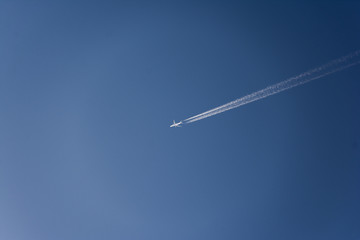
column 176, row 124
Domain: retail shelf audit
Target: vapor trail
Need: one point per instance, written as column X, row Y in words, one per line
column 319, row 72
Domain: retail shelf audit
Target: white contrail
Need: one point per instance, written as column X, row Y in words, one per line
column 324, row 70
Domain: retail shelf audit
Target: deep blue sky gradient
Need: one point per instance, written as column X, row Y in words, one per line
column 88, row 90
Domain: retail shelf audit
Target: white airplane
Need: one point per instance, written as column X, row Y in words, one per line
column 176, row 124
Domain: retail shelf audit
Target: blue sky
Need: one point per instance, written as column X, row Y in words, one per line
column 88, row 90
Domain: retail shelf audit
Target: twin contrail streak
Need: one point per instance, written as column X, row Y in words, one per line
column 319, row 72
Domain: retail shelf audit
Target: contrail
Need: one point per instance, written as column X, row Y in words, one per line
column 319, row 72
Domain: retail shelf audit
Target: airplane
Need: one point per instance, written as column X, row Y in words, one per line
column 176, row 124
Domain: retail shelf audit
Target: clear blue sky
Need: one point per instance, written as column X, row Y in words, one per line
column 88, row 90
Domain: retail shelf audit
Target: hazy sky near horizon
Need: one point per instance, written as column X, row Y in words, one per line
column 88, row 90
